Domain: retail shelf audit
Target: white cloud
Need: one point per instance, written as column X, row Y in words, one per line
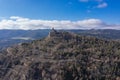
column 31, row 24
column 15, row 17
column 102, row 5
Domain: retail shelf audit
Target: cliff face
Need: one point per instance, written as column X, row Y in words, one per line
column 62, row 56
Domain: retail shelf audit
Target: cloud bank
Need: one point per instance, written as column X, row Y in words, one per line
column 16, row 22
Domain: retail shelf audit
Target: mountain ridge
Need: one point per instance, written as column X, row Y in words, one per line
column 62, row 56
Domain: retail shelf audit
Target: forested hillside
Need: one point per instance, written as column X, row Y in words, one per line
column 62, row 56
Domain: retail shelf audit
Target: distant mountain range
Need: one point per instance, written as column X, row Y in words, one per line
column 100, row 33
column 11, row 37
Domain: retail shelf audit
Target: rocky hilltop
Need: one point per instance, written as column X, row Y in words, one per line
column 62, row 56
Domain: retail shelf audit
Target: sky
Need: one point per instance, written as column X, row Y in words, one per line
column 60, row 14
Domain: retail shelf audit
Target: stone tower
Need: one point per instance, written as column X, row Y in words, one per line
column 54, row 33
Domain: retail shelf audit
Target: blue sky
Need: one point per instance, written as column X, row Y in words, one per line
column 107, row 11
